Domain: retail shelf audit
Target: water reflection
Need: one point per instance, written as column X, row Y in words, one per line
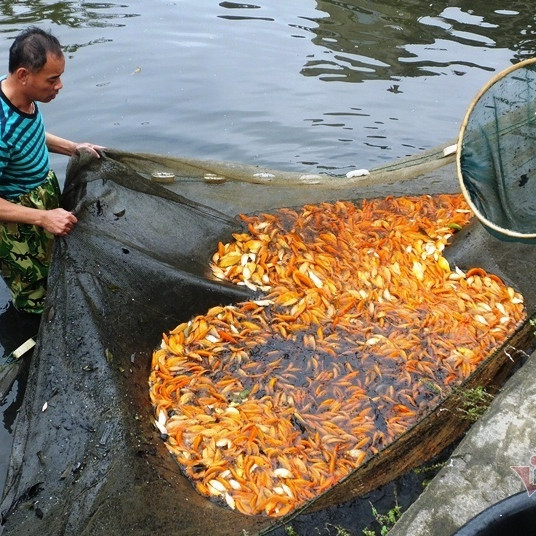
column 234, row 5
column 360, row 40
column 70, row 14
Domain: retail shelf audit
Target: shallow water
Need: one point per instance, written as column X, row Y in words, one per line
column 324, row 86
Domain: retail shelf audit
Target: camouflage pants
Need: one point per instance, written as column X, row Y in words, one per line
column 25, row 250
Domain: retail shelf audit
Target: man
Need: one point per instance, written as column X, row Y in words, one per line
column 30, row 214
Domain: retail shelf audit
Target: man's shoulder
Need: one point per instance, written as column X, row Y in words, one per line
column 4, row 119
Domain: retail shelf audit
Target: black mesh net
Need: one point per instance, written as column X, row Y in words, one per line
column 86, row 458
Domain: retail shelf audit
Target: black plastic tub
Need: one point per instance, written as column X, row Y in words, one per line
column 515, row 515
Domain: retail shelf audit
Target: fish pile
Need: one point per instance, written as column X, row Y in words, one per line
column 360, row 328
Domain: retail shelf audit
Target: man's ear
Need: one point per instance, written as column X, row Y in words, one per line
column 22, row 74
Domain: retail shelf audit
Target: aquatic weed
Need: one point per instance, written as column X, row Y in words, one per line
column 385, row 521
column 473, row 402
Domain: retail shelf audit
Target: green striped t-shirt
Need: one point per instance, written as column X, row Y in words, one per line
column 24, row 162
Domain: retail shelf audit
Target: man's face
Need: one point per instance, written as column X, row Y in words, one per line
column 44, row 85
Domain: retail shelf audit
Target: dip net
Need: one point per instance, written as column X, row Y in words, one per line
column 238, row 345
column 496, row 156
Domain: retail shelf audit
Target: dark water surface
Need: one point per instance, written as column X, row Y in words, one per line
column 324, row 86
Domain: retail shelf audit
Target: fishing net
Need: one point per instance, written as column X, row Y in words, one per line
column 137, row 280
column 496, row 156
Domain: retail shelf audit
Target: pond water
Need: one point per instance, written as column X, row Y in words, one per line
column 303, row 85
column 316, row 86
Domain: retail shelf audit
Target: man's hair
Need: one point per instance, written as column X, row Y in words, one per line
column 30, row 49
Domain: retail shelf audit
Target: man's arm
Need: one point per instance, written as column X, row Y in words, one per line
column 56, row 221
column 59, row 145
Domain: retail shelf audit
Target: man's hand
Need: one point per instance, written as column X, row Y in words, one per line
column 91, row 147
column 59, row 145
column 58, row 221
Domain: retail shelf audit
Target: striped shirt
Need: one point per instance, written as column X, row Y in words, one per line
column 24, row 162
